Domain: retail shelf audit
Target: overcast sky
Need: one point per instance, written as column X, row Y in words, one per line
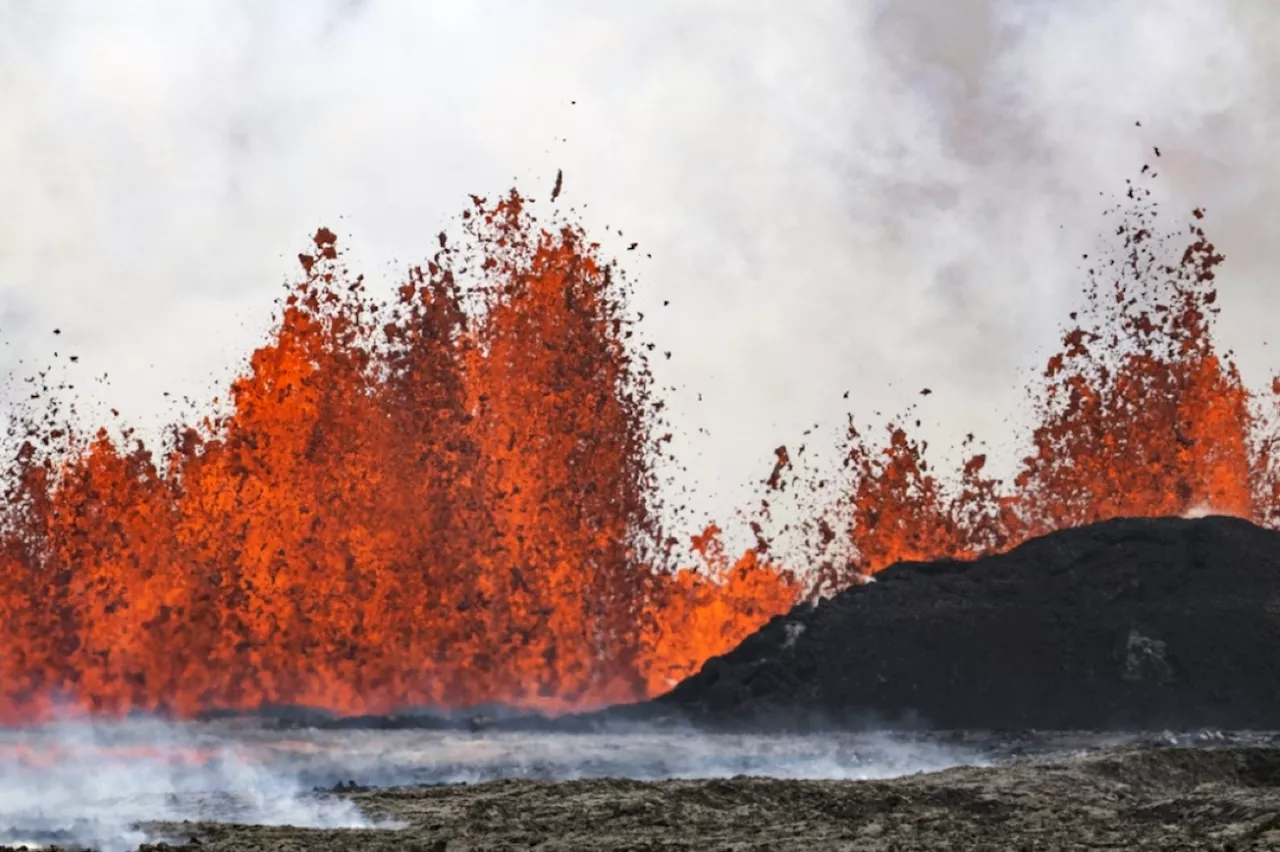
column 862, row 196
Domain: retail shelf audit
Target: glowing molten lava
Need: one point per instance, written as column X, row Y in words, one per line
column 450, row 500
column 1138, row 415
column 445, row 502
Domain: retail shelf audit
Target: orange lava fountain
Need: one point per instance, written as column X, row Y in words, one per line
column 445, row 501
column 450, row 499
column 1138, row 415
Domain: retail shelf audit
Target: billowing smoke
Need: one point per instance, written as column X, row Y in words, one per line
column 867, row 196
column 98, row 785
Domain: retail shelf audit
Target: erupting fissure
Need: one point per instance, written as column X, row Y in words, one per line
column 1138, row 415
column 450, row 499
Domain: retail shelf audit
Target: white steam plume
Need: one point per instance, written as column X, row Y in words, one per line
column 870, row 196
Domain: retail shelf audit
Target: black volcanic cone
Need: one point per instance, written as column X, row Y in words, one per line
column 1128, row 624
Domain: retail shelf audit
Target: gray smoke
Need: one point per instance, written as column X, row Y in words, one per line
column 869, row 196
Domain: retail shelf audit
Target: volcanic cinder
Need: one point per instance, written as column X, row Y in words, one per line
column 1148, row 623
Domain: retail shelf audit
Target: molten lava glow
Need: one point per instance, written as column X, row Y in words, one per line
column 1138, row 415
column 445, row 501
column 450, row 500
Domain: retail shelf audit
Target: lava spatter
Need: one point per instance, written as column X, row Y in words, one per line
column 1138, row 415
column 447, row 500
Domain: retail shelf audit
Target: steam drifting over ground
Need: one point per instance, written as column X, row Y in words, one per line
column 115, row 786
column 94, row 783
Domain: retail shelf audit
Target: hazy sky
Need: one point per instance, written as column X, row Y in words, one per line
column 863, row 196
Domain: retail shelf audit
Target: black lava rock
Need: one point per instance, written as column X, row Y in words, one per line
column 1131, row 624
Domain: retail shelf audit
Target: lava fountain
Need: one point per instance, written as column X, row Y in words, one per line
column 446, row 500
column 1137, row 415
column 449, row 498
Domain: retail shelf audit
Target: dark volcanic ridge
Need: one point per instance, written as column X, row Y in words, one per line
column 1129, row 624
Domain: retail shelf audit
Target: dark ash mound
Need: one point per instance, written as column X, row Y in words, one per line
column 1124, row 625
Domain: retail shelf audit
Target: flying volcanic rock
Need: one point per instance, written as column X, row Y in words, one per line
column 1126, row 624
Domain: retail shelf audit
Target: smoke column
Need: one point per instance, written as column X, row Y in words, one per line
column 861, row 196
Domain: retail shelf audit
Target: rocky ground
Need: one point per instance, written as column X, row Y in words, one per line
column 1121, row 798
